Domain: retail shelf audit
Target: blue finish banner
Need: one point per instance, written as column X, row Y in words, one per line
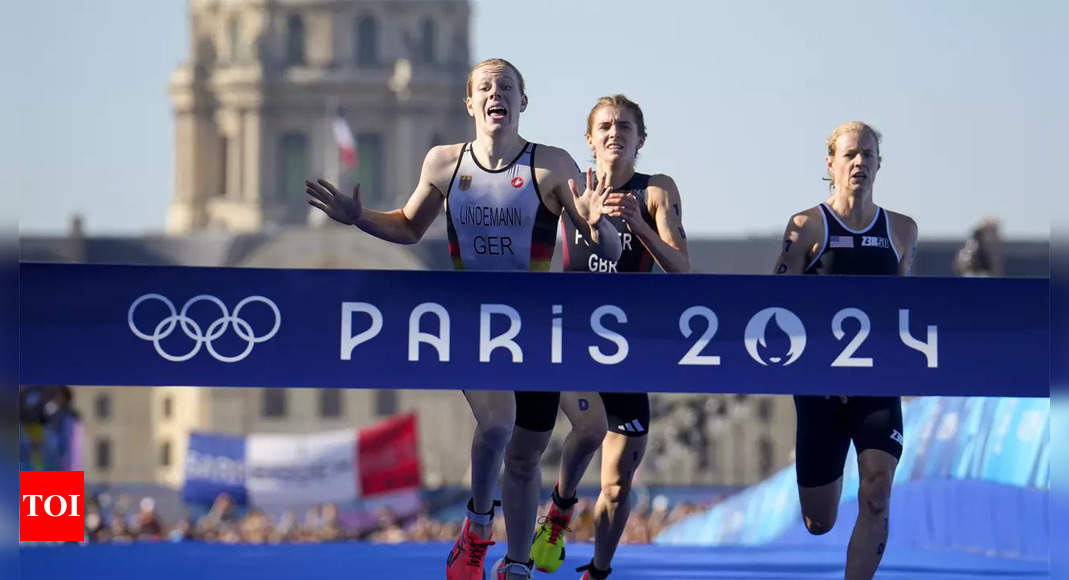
column 142, row 326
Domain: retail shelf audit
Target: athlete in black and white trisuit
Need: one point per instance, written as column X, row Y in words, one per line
column 503, row 196
column 648, row 212
column 849, row 235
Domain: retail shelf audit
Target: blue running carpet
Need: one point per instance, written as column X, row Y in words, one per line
column 362, row 561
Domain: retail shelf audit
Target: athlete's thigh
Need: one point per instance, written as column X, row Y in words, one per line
column 583, row 409
column 537, row 410
column 876, row 423
column 822, row 440
column 492, row 407
column 526, row 446
column 620, row 457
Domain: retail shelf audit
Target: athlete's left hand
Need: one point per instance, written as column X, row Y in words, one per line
column 625, row 206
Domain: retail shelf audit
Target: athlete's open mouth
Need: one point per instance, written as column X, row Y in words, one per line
column 496, row 112
column 615, row 146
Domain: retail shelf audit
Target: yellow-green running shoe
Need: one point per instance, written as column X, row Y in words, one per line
column 547, row 550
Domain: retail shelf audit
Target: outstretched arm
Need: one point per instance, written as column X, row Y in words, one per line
column 587, row 209
column 405, row 225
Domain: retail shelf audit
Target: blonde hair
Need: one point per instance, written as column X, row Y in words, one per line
column 619, row 102
column 497, row 63
column 852, row 127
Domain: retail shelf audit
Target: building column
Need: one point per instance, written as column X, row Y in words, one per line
column 230, row 126
column 182, row 214
column 250, row 185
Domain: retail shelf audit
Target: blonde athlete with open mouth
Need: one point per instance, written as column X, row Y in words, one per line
column 849, row 234
column 503, row 197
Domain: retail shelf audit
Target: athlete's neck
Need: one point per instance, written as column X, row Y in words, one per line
column 855, row 208
column 621, row 171
column 497, row 151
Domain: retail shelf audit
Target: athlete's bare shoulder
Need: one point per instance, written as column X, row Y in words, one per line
column 808, row 226
column 808, row 219
column 553, row 167
column 662, row 191
column 801, row 240
column 902, row 224
column 904, row 234
column 664, row 183
column 553, row 159
column 439, row 165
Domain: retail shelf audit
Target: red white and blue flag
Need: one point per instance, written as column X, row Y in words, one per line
column 841, row 242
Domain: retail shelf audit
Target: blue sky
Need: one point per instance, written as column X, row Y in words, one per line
column 738, row 97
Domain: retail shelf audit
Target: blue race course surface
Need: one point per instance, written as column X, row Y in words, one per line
column 350, row 561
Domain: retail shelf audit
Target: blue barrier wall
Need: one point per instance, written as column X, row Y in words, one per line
column 974, row 475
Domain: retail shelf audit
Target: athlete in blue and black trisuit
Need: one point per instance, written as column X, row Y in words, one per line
column 849, row 235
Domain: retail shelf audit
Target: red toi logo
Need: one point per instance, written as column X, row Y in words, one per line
column 517, row 182
column 51, row 506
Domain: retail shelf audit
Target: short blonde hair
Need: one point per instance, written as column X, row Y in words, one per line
column 852, row 127
column 497, row 63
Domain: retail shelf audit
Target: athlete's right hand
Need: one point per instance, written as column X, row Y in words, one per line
column 591, row 203
column 338, row 206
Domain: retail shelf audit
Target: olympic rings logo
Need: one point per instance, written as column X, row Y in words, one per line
column 200, row 337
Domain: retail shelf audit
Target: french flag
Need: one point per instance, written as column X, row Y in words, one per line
column 343, row 137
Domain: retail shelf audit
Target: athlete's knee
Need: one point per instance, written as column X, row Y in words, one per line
column 616, row 492
column 820, row 516
column 818, row 526
column 589, row 436
column 874, row 493
column 494, row 435
column 522, row 464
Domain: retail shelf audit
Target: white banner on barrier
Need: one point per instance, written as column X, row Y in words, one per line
column 322, row 466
